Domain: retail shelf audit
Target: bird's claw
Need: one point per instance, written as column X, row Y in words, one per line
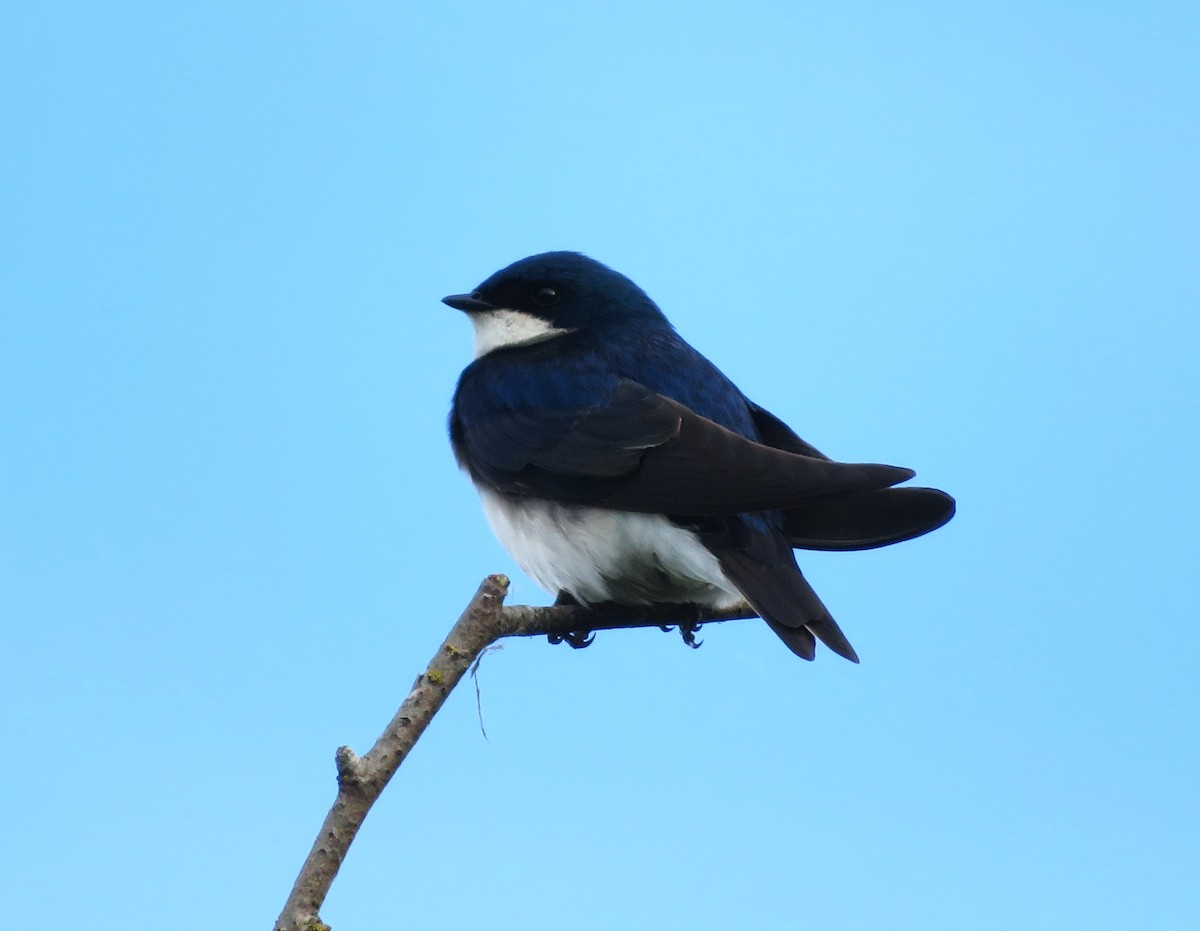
column 687, row 630
column 575, row 639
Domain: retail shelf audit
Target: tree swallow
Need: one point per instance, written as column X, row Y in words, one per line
column 617, row 464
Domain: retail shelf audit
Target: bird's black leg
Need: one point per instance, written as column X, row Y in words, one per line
column 687, row 628
column 575, row 639
column 688, row 631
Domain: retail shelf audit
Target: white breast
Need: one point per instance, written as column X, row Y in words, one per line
column 598, row 555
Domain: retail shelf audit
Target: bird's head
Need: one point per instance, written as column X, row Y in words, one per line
column 548, row 295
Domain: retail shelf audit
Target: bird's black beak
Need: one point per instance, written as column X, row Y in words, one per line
column 468, row 303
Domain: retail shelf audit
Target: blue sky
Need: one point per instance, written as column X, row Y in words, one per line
column 958, row 239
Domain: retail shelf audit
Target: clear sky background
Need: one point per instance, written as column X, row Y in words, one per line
column 957, row 237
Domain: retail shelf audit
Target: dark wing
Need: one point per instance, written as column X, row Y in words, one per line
column 643, row 451
column 774, row 432
column 856, row 521
column 867, row 520
column 603, row 442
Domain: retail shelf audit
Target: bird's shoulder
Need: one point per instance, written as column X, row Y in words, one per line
column 539, row 377
column 582, row 372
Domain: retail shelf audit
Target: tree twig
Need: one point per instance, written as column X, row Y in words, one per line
column 485, row 620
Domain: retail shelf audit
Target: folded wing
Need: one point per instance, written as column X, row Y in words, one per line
column 859, row 520
column 645, row 452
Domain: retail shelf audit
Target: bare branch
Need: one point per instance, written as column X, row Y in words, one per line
column 559, row 620
column 362, row 779
column 485, row 620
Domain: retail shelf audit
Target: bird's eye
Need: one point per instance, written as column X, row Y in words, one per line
column 546, row 296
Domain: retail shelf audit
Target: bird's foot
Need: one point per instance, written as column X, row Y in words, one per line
column 688, row 633
column 575, row 639
column 687, row 630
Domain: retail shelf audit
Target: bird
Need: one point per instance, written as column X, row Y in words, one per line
column 618, row 465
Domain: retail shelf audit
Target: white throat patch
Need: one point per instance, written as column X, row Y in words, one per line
column 504, row 328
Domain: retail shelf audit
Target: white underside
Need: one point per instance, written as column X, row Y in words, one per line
column 504, row 328
column 597, row 555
